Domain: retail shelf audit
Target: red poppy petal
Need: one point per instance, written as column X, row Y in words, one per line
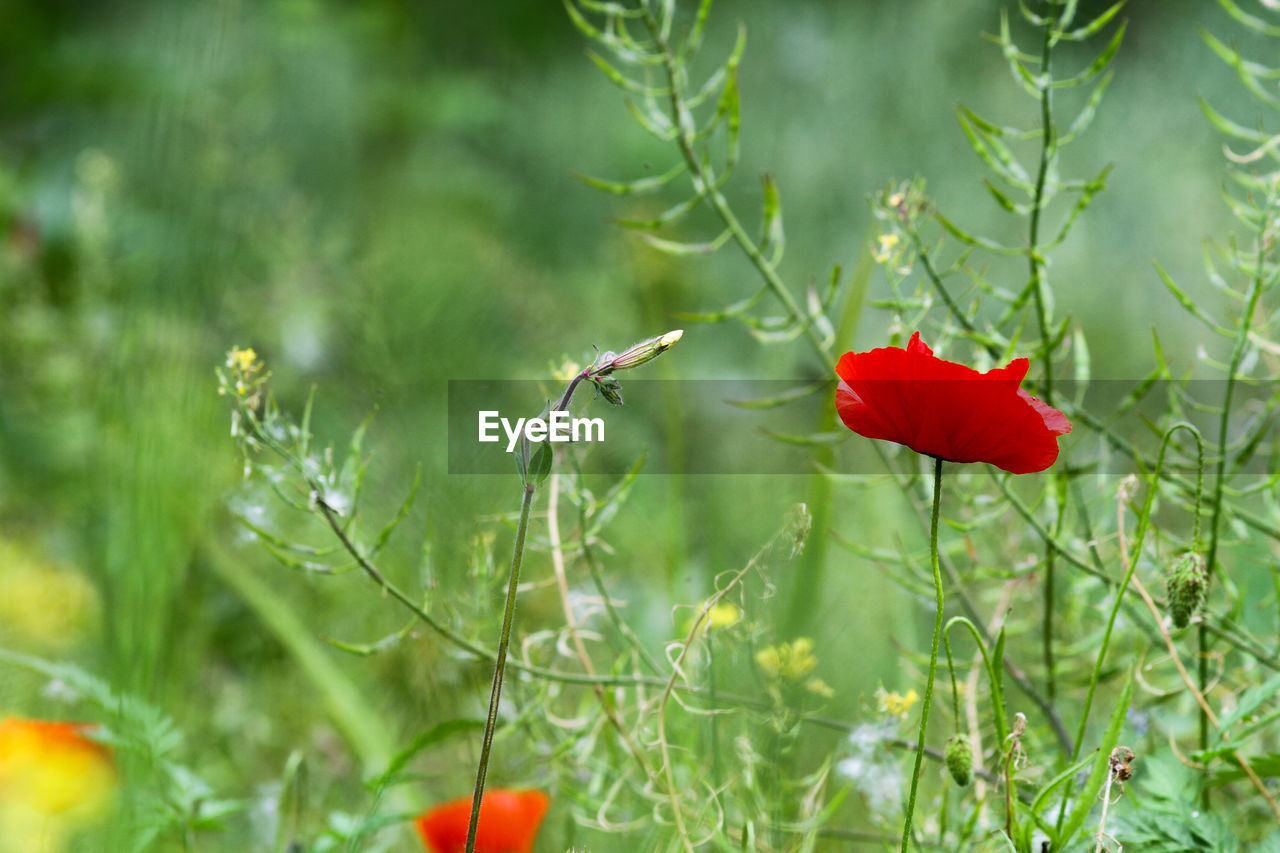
column 948, row 410
column 509, row 822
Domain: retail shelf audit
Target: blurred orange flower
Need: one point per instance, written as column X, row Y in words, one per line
column 52, row 768
column 509, row 822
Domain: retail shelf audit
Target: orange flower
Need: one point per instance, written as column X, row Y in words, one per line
column 509, row 823
column 52, row 768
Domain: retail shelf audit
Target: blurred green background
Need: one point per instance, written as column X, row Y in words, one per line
column 378, row 197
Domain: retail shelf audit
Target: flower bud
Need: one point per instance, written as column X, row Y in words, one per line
column 959, row 759
column 1187, row 583
column 640, row 353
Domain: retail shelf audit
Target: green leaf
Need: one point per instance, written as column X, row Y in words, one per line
column 540, row 465
column 424, row 740
column 1087, row 796
column 1004, row 201
column 1098, row 64
column 1248, row 72
column 636, row 187
column 773, row 240
column 667, row 217
column 1030, row 83
column 1249, row 701
column 1189, row 304
column 992, row 151
column 785, row 397
column 674, row 247
column 1082, row 33
column 974, row 239
column 815, row 439
column 1256, row 24
column 624, row 82
column 1230, row 128
column 1086, row 115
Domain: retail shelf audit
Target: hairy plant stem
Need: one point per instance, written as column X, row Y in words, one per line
column 1048, row 147
column 933, row 652
column 500, row 666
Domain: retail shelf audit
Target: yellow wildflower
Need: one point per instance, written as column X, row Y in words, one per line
column 792, row 661
column 243, row 360
column 43, row 606
column 886, row 245
column 895, row 704
column 566, row 371
column 818, row 687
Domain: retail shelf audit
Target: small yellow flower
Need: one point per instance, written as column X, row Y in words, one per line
column 566, row 371
column 886, row 244
column 895, row 704
column 724, row 614
column 792, row 661
column 243, row 360
column 43, row 606
column 818, row 687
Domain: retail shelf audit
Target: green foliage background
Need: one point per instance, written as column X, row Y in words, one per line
column 378, row 197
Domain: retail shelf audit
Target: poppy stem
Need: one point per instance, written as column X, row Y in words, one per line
column 933, row 651
column 495, row 693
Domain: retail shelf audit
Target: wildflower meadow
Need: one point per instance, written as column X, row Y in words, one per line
column 639, row 425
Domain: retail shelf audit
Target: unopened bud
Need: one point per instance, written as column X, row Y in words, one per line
column 1187, row 584
column 640, row 353
column 959, row 759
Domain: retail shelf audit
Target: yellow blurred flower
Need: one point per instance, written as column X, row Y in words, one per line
column 247, row 374
column 724, row 614
column 887, row 243
column 818, row 687
column 41, row 605
column 53, row 780
column 243, row 360
column 566, row 371
column 895, row 704
column 791, row 661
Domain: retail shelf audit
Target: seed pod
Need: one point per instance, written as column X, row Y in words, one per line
column 1187, row 583
column 959, row 759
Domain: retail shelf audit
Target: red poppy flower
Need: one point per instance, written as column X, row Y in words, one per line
column 509, row 823
column 948, row 410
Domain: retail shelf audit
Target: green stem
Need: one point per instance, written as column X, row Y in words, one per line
column 500, row 666
column 706, row 182
column 933, row 651
column 1211, row 564
column 1143, row 521
column 1047, row 152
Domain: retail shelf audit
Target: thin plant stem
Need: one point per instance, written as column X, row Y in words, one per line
column 500, row 666
column 1215, row 518
column 716, row 200
column 1048, row 146
column 1131, row 564
column 933, row 652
